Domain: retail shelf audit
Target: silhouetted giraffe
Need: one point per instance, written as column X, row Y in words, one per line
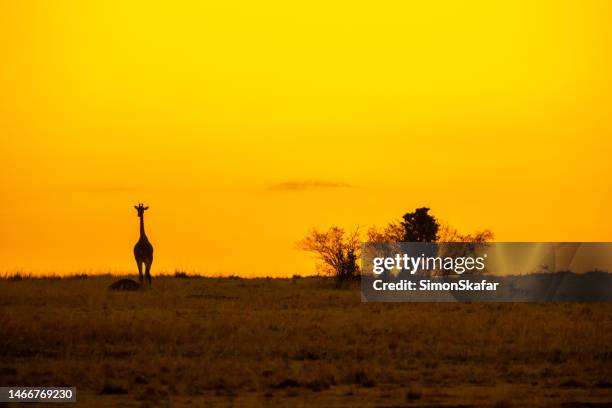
column 143, row 250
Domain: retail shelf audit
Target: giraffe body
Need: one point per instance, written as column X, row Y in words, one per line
column 143, row 250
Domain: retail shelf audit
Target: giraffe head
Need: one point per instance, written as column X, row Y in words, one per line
column 141, row 209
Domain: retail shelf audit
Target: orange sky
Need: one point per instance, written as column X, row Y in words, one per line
column 244, row 124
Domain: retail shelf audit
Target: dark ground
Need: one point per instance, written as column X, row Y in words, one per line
column 297, row 342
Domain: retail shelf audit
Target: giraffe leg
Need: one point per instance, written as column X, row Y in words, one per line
column 139, row 271
column 148, row 273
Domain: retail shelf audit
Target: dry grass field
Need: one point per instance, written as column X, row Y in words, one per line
column 297, row 342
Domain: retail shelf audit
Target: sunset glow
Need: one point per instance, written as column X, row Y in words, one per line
column 242, row 125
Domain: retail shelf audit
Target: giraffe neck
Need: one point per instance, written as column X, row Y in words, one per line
column 142, row 231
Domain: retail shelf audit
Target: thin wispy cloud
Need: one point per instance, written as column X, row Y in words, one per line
column 307, row 185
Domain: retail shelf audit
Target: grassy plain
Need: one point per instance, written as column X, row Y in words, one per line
column 297, row 342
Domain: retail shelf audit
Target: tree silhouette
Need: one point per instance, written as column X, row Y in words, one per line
column 420, row 226
column 337, row 251
column 446, row 233
column 391, row 233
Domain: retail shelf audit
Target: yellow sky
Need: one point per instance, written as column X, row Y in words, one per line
column 244, row 124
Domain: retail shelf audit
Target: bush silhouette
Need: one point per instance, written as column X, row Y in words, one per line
column 337, row 250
